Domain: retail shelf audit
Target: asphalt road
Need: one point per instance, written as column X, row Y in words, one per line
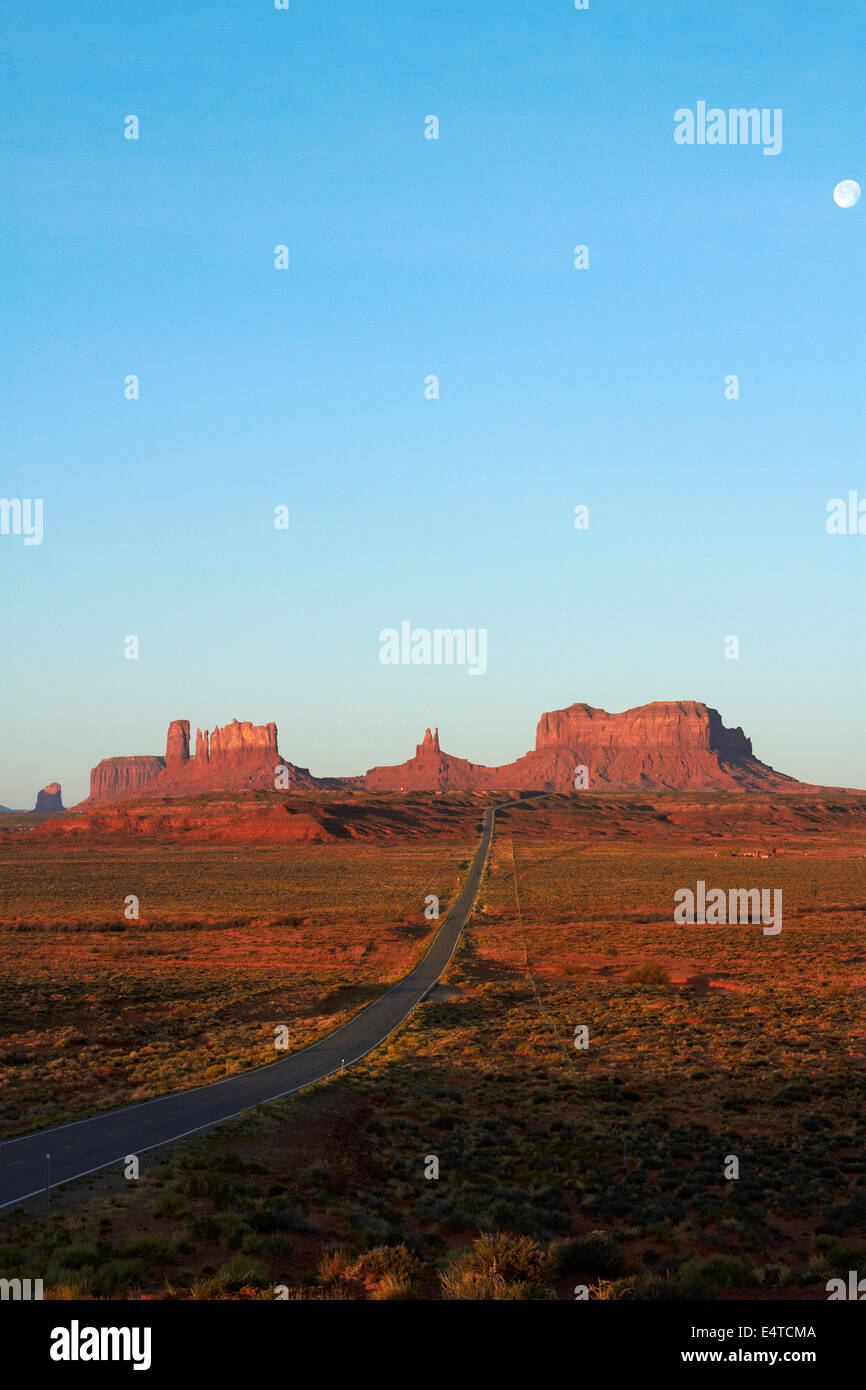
column 104, row 1140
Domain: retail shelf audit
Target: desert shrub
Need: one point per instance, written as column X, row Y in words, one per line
column 170, row 1204
column 222, row 1191
column 206, row 1227
column 514, row 1257
column 117, row 1276
column 778, row 1276
column 696, row 1279
column 240, row 1273
column 277, row 1246
column 657, row 1287
column 225, row 1228
column 832, row 1257
column 323, row 1177
column 272, row 1214
column 205, row 1288
column 390, row 1287
column 335, row 1265
column 82, row 1254
column 720, row 1272
column 736, row 1102
column 148, row 1247
column 649, row 974
column 387, row 1261
column 443, row 1120
column 233, row 1163
column 595, row 1254
column 608, row 1290
column 69, row 1290
column 479, row 1284
column 792, row 1094
column 497, row 1255
column 814, row 1123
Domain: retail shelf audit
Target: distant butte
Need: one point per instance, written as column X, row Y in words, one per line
column 237, row 757
column 49, row 800
column 671, row 745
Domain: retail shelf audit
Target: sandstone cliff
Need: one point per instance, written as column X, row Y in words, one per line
column 667, row 744
column 177, row 743
column 244, row 745
column 237, row 757
column 114, row 778
column 673, row 744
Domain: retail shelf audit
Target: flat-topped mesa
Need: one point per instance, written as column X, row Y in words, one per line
column 177, row 743
column 429, row 744
column 665, row 724
column 671, row 744
column 238, row 745
column 635, row 728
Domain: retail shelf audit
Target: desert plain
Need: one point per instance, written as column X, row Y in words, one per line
column 560, row 1115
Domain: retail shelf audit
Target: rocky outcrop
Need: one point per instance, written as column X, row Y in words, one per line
column 673, row 744
column 115, row 778
column 237, row 757
column 429, row 743
column 49, row 800
column 177, row 743
column 240, row 819
column 429, row 770
column 244, row 745
column 666, row 745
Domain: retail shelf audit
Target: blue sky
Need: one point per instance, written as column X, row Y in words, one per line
column 408, row 257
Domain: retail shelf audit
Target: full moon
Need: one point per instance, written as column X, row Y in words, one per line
column 847, row 193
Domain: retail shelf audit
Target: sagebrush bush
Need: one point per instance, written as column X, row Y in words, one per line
column 155, row 1248
column 479, row 1284
column 240, row 1273
column 118, row 1276
column 391, row 1287
column 498, row 1266
column 387, row 1261
column 720, row 1272
column 335, row 1265
column 594, row 1254
column 649, row 974
column 170, row 1204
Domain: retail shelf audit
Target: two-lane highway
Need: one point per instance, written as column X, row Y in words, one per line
column 103, row 1140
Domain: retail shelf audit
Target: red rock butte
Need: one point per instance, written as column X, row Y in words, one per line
column 49, row 800
column 237, row 757
column 668, row 745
